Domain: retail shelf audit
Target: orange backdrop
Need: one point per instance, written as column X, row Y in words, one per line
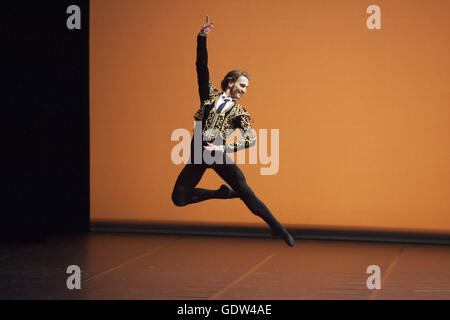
column 363, row 114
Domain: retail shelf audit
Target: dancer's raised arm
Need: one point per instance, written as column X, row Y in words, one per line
column 202, row 61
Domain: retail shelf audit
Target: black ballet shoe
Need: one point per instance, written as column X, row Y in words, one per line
column 284, row 234
column 226, row 192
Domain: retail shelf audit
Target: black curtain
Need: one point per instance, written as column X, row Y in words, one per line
column 45, row 152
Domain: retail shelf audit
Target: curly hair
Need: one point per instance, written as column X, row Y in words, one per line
column 232, row 76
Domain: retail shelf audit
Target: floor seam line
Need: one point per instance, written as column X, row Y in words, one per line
column 388, row 272
column 148, row 253
column 245, row 275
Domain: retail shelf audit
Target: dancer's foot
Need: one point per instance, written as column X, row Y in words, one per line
column 283, row 233
column 226, row 192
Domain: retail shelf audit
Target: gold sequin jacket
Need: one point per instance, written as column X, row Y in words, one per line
column 214, row 124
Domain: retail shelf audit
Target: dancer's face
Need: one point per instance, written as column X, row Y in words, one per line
column 239, row 87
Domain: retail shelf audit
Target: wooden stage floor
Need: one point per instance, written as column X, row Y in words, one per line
column 175, row 267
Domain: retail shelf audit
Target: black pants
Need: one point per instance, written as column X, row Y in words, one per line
column 185, row 191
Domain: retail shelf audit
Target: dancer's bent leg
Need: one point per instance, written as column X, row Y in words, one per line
column 185, row 192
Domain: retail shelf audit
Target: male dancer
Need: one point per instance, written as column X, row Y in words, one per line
column 219, row 113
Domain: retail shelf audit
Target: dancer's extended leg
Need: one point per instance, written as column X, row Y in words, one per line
column 234, row 176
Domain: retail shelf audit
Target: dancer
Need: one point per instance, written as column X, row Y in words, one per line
column 218, row 115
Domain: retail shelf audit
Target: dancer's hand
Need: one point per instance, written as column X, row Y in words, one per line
column 207, row 26
column 213, row 147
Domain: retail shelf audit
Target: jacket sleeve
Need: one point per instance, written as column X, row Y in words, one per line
column 201, row 63
column 205, row 88
column 248, row 135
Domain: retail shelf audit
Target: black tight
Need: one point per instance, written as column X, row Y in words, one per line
column 185, row 191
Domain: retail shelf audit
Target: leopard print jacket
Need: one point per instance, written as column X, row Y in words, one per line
column 223, row 124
